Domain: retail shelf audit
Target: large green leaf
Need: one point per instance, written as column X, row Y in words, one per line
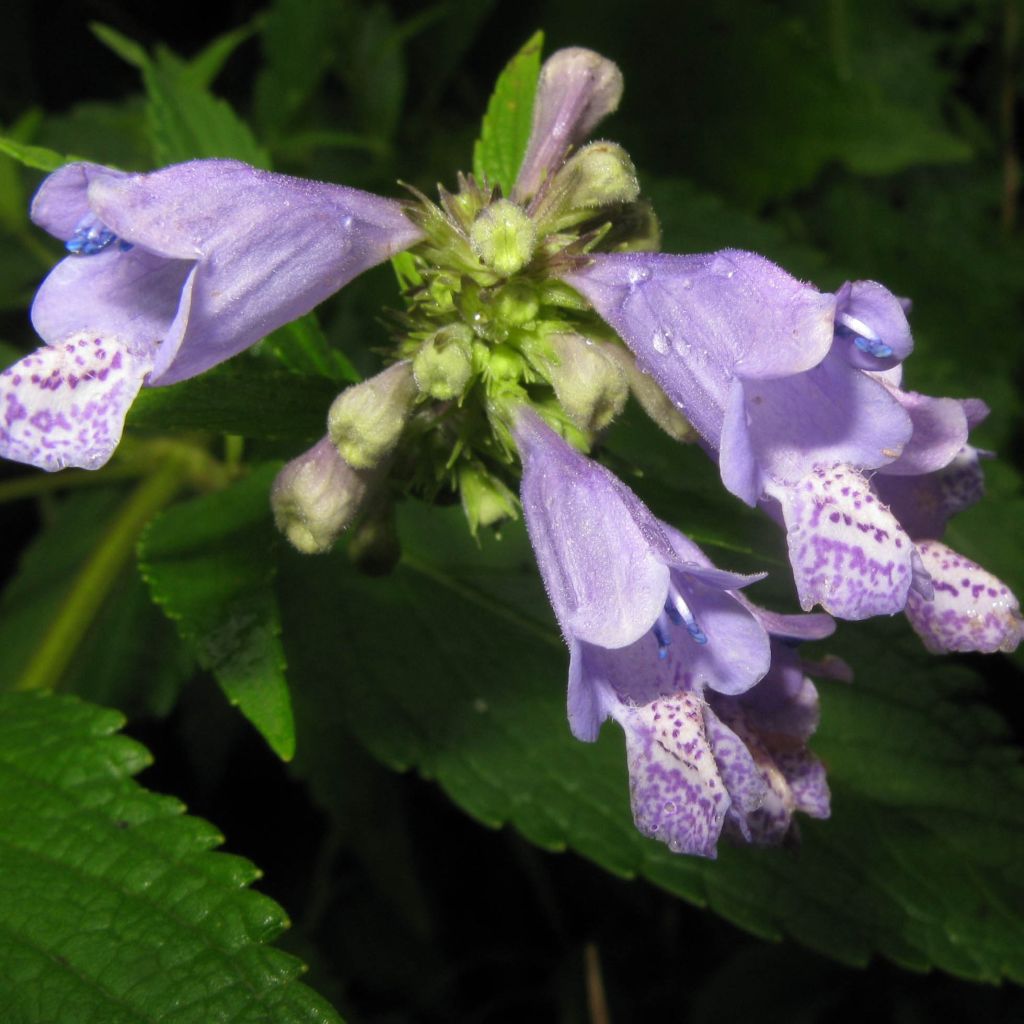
column 453, row 666
column 506, row 126
column 113, row 909
column 208, row 565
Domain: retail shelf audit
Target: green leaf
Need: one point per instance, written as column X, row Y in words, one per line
column 112, row 906
column 248, row 399
column 302, row 347
column 37, row 157
column 505, row 131
column 204, row 67
column 185, row 121
column 208, row 566
column 144, row 669
column 453, row 666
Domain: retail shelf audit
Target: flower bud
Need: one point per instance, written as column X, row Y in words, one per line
column 443, row 365
column 652, row 399
column 590, row 388
column 577, row 88
column 599, row 175
column 503, row 237
column 366, row 420
column 485, row 499
column 316, row 496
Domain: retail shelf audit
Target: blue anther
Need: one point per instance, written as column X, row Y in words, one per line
column 873, row 347
column 679, row 612
column 661, row 635
column 90, row 237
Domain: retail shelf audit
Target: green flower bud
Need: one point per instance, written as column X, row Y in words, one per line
column 652, row 399
column 505, row 364
column 503, row 237
column 443, row 365
column 599, row 175
column 316, row 496
column 517, row 303
column 590, row 388
column 485, row 499
column 366, row 420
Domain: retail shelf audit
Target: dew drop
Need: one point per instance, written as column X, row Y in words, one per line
column 660, row 343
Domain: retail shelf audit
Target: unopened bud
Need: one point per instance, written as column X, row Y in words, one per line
column 316, row 496
column 652, row 399
column 366, row 420
column 599, row 175
column 485, row 499
column 590, row 388
column 444, row 363
column 503, row 237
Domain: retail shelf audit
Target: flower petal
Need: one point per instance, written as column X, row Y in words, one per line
column 62, row 199
column 831, row 414
column 872, row 332
column 600, row 552
column 940, row 432
column 64, row 405
column 808, row 785
column 971, row 610
column 577, row 88
column 848, row 552
column 743, row 780
column 696, row 322
column 133, row 296
column 675, row 789
column 270, row 247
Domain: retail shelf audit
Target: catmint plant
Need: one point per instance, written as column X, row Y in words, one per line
column 525, row 322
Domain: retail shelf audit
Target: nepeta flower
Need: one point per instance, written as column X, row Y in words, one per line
column 770, row 373
column 171, row 273
column 652, row 628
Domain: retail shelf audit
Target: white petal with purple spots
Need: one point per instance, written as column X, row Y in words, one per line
column 675, row 789
column 64, row 405
column 971, row 610
column 849, row 554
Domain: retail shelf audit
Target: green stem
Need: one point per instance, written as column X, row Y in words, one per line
column 37, row 484
column 96, row 577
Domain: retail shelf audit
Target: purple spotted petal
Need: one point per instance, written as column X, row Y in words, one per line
column 675, row 789
column 805, row 776
column 695, row 323
column 64, row 405
column 743, row 780
column 848, row 552
column 576, row 90
column 924, row 504
column 872, row 332
column 601, row 553
column 971, row 609
column 830, row 414
column 939, row 433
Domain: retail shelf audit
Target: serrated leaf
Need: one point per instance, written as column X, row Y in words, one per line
column 253, row 401
column 38, row 157
column 453, row 666
column 505, row 131
column 113, row 909
column 208, row 565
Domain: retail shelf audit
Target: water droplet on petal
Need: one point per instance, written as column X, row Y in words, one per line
column 660, row 343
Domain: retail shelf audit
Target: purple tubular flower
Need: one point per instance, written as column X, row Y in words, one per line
column 761, row 365
column 171, row 273
column 651, row 627
column 577, row 89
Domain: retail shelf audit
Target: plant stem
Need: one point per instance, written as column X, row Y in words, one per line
column 96, row 577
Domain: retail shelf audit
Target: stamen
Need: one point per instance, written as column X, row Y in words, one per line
column 679, row 612
column 862, row 336
column 90, row 237
column 661, row 635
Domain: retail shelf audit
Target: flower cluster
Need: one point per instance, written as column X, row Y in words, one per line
column 528, row 321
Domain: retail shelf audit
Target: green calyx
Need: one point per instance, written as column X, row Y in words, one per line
column 488, row 326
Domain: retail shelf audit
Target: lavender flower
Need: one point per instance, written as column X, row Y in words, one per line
column 769, row 372
column 652, row 627
column 171, row 273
